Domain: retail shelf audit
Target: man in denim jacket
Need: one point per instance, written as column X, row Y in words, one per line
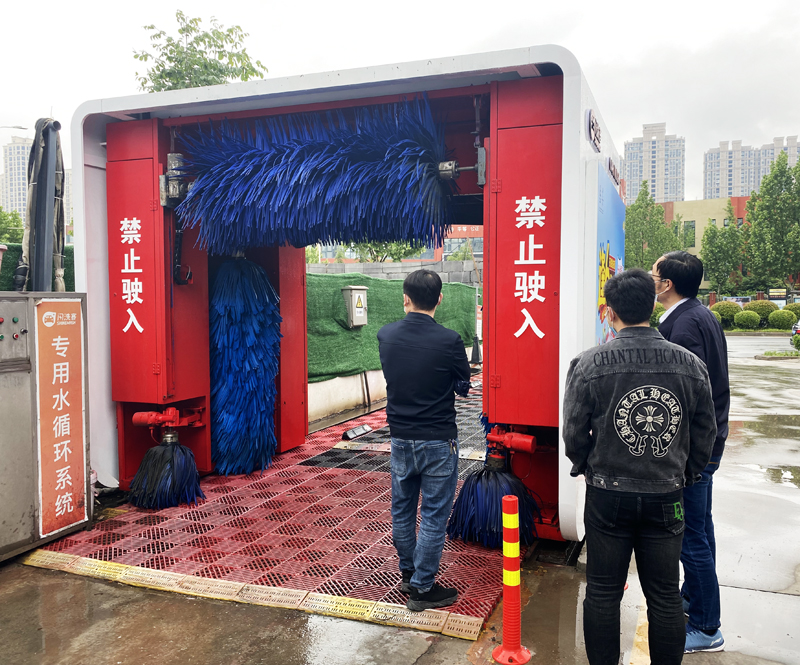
column 639, row 424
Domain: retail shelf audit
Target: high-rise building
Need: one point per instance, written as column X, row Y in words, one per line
column 68, row 232
column 14, row 194
column 737, row 170
column 659, row 158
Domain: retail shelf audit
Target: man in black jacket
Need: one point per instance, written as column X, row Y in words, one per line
column 638, row 425
column 691, row 325
column 423, row 364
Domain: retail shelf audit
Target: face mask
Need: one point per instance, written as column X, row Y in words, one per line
column 655, row 301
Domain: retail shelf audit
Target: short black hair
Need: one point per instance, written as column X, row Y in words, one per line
column 684, row 270
column 631, row 295
column 423, row 288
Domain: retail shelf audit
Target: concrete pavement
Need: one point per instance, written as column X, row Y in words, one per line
column 54, row 618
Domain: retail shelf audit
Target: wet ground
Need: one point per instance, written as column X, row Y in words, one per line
column 54, row 618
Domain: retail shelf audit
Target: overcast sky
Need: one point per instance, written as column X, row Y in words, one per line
column 725, row 72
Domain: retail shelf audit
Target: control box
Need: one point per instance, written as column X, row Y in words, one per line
column 355, row 299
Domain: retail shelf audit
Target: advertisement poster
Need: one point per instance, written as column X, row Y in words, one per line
column 610, row 246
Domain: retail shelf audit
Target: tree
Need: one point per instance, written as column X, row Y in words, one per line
column 378, row 252
column 774, row 216
column 647, row 237
column 12, row 226
column 196, row 57
column 722, row 253
column 312, row 253
column 463, row 253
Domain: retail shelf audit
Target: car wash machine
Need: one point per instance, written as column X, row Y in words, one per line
column 531, row 160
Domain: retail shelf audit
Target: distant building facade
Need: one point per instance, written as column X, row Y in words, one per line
column 14, row 193
column 68, row 230
column 697, row 215
column 659, row 158
column 736, row 170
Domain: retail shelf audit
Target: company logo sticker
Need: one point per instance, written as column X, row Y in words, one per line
column 49, row 319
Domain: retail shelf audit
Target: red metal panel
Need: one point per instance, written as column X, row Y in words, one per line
column 130, row 140
column 523, row 282
column 159, row 330
column 530, row 102
column 292, row 421
column 188, row 304
column 135, row 261
column 286, row 268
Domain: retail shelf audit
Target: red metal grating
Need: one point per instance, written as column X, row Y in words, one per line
column 311, row 556
column 234, row 510
column 159, row 562
column 154, row 533
column 156, row 547
column 355, row 548
column 108, row 525
column 246, row 536
column 273, row 579
column 290, row 529
column 106, row 554
column 369, row 592
column 214, row 572
column 207, row 556
column 367, row 562
column 152, row 519
column 108, row 538
column 302, row 527
column 336, row 587
column 263, row 563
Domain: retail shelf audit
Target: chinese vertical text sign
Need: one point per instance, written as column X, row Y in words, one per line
column 62, row 443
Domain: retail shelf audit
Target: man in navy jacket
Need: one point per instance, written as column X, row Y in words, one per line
column 689, row 324
column 424, row 365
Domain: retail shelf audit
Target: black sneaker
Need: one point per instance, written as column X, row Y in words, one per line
column 405, row 585
column 438, row 596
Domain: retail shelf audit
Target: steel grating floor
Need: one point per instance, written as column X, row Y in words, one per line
column 317, row 522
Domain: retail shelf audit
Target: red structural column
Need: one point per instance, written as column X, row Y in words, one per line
column 511, row 650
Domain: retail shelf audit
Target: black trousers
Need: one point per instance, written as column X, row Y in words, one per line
column 651, row 526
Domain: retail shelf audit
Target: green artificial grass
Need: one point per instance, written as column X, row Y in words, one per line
column 790, row 354
column 11, row 257
column 336, row 350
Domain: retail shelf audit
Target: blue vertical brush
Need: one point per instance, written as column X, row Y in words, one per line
column 245, row 339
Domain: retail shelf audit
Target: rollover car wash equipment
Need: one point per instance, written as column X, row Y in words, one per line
column 552, row 198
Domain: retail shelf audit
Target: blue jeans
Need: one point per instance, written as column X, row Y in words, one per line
column 651, row 525
column 699, row 555
column 430, row 467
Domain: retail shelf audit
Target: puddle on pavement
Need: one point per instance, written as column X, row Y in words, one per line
column 789, row 475
column 751, row 432
column 772, row 439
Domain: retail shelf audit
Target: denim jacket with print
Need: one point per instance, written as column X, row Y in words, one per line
column 638, row 414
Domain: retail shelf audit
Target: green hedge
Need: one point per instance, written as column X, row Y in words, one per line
column 747, row 320
column 763, row 308
column 11, row 257
column 336, row 350
column 658, row 310
column 782, row 319
column 727, row 310
column 717, row 317
column 796, row 342
column 794, row 308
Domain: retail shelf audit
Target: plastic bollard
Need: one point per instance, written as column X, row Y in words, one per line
column 511, row 650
